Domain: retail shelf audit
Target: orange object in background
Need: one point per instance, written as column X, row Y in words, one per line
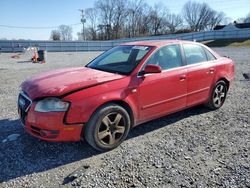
column 35, row 57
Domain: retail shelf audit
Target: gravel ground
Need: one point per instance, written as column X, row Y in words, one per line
column 191, row 148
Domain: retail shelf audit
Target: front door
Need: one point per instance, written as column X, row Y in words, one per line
column 165, row 92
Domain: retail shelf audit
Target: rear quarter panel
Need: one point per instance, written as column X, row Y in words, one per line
column 224, row 69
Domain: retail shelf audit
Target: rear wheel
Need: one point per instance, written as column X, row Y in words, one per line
column 108, row 127
column 218, row 95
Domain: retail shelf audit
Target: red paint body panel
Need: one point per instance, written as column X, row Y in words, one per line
column 199, row 82
column 162, row 93
column 59, row 82
column 149, row 97
column 37, row 121
column 118, row 90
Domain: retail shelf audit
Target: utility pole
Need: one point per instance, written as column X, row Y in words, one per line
column 83, row 21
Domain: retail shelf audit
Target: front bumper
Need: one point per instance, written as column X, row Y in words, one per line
column 49, row 126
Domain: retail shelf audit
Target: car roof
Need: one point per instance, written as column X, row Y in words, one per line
column 157, row 43
column 160, row 43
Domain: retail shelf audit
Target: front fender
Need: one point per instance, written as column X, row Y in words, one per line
column 85, row 102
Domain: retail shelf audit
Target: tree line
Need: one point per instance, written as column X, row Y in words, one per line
column 114, row 19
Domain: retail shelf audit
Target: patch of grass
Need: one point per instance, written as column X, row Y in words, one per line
column 228, row 42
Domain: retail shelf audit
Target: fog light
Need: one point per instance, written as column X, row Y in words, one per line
column 49, row 133
column 44, row 133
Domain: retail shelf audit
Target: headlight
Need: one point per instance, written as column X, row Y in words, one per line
column 51, row 105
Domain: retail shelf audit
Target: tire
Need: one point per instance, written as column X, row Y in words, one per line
column 108, row 127
column 218, row 95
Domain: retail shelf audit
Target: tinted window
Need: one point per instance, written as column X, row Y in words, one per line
column 121, row 59
column 194, row 53
column 117, row 56
column 141, row 54
column 210, row 56
column 167, row 57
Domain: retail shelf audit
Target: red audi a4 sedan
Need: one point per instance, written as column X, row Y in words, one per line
column 125, row 86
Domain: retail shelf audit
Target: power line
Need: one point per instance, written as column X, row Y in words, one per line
column 28, row 27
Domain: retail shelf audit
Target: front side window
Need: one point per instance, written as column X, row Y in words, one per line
column 166, row 57
column 121, row 59
column 194, row 54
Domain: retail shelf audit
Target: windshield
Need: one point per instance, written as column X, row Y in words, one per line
column 121, row 59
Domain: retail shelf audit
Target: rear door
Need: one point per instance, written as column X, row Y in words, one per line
column 200, row 73
column 164, row 92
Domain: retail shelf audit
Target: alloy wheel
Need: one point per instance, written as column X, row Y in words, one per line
column 219, row 95
column 111, row 129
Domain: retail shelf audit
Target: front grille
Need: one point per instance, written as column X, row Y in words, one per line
column 24, row 103
column 22, row 115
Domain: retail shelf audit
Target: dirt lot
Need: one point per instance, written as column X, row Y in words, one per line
column 192, row 148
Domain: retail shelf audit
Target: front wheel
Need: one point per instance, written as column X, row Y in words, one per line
column 218, row 95
column 108, row 127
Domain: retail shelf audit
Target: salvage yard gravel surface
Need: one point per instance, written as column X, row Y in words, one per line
column 191, row 148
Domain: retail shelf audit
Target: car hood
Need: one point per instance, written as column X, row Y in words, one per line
column 63, row 81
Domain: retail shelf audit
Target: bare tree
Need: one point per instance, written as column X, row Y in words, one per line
column 106, row 11
column 92, row 15
column 119, row 18
column 111, row 19
column 135, row 22
column 173, row 21
column 145, row 20
column 55, row 35
column 244, row 19
column 65, row 32
column 157, row 16
column 197, row 15
column 216, row 19
column 120, row 13
column 87, row 34
column 112, row 14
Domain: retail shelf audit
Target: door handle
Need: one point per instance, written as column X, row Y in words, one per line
column 183, row 77
column 211, row 70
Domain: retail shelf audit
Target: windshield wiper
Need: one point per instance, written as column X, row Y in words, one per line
column 108, row 70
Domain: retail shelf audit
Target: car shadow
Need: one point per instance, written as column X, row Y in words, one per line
column 25, row 61
column 166, row 120
column 28, row 155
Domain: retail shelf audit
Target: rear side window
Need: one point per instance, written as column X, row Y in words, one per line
column 210, row 56
column 194, row 54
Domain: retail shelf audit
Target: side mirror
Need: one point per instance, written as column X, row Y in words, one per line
column 149, row 69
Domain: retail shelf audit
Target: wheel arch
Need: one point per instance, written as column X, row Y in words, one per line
column 225, row 80
column 121, row 103
column 209, row 102
column 216, row 80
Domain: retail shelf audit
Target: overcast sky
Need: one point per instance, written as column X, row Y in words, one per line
column 50, row 13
